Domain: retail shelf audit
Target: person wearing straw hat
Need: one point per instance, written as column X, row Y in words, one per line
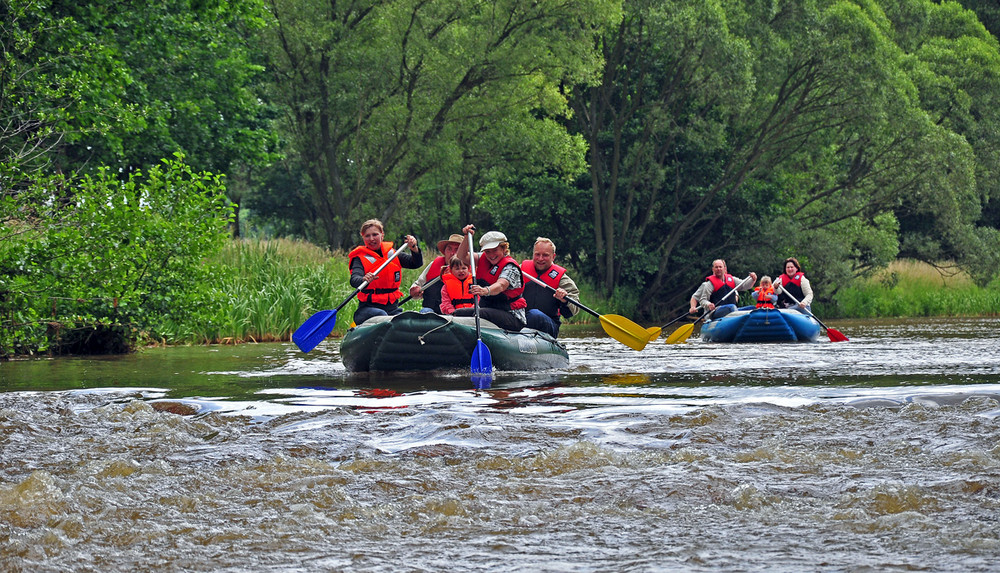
column 499, row 283
column 432, row 294
column 381, row 291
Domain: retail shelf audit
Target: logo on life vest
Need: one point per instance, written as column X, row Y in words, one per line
column 553, row 274
column 494, row 269
column 396, row 277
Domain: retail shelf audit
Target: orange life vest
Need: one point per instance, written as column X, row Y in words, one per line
column 763, row 297
column 458, row 290
column 385, row 289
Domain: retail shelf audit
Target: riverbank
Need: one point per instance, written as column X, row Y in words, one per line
column 268, row 288
column 912, row 289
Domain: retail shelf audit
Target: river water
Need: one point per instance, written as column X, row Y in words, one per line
column 878, row 454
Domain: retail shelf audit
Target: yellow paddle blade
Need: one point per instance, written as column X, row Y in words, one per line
column 680, row 335
column 654, row 332
column 625, row 331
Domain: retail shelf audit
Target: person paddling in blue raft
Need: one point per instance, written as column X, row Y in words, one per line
column 794, row 281
column 380, row 295
column 715, row 288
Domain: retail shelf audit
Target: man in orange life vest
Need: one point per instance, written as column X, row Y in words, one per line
column 716, row 287
column 432, row 294
column 379, row 296
column 544, row 306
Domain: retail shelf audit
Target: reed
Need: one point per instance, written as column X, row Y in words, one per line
column 262, row 290
column 911, row 288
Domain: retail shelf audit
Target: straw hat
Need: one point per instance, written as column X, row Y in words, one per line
column 455, row 238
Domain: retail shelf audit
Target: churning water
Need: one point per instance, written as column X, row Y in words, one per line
column 878, row 454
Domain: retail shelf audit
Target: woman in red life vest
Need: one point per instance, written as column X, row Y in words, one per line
column 455, row 293
column 499, row 283
column 717, row 285
column 794, row 281
column 379, row 296
column 763, row 295
column 432, row 294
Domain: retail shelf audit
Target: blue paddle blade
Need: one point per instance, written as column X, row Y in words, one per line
column 482, row 382
column 482, row 362
column 314, row 330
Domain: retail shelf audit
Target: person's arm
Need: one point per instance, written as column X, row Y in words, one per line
column 569, row 288
column 701, row 296
column 446, row 306
column 463, row 248
column 417, row 288
column 747, row 284
column 357, row 272
column 413, row 259
column 807, row 292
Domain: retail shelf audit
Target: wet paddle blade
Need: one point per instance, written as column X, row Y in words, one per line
column 680, row 335
column 654, row 332
column 482, row 362
column 836, row 336
column 314, row 330
column 625, row 331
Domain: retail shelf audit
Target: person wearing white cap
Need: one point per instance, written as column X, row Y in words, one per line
column 432, row 294
column 499, row 283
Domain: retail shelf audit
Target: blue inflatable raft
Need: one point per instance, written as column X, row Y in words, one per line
column 762, row 325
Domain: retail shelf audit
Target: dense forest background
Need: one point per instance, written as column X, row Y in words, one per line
column 646, row 137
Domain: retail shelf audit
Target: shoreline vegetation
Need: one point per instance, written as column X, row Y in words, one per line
column 262, row 290
column 269, row 287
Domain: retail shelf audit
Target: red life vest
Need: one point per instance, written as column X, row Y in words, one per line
column 385, row 289
column 487, row 275
column 763, row 297
column 539, row 297
column 458, row 290
column 722, row 287
column 793, row 285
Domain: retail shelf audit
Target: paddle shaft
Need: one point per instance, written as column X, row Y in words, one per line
column 572, row 300
column 395, row 254
column 725, row 296
column 427, row 284
column 475, row 299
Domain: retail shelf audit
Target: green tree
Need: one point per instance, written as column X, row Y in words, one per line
column 389, row 101
column 739, row 129
column 105, row 259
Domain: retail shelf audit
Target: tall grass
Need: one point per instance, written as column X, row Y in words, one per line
column 262, row 290
column 910, row 288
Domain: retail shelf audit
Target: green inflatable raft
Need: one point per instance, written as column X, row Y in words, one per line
column 414, row 341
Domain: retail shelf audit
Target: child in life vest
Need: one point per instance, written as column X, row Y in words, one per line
column 455, row 292
column 764, row 294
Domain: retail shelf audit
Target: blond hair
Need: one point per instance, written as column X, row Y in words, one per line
column 372, row 223
column 546, row 240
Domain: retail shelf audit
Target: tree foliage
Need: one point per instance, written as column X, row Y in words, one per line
column 839, row 131
column 82, row 259
column 389, row 100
